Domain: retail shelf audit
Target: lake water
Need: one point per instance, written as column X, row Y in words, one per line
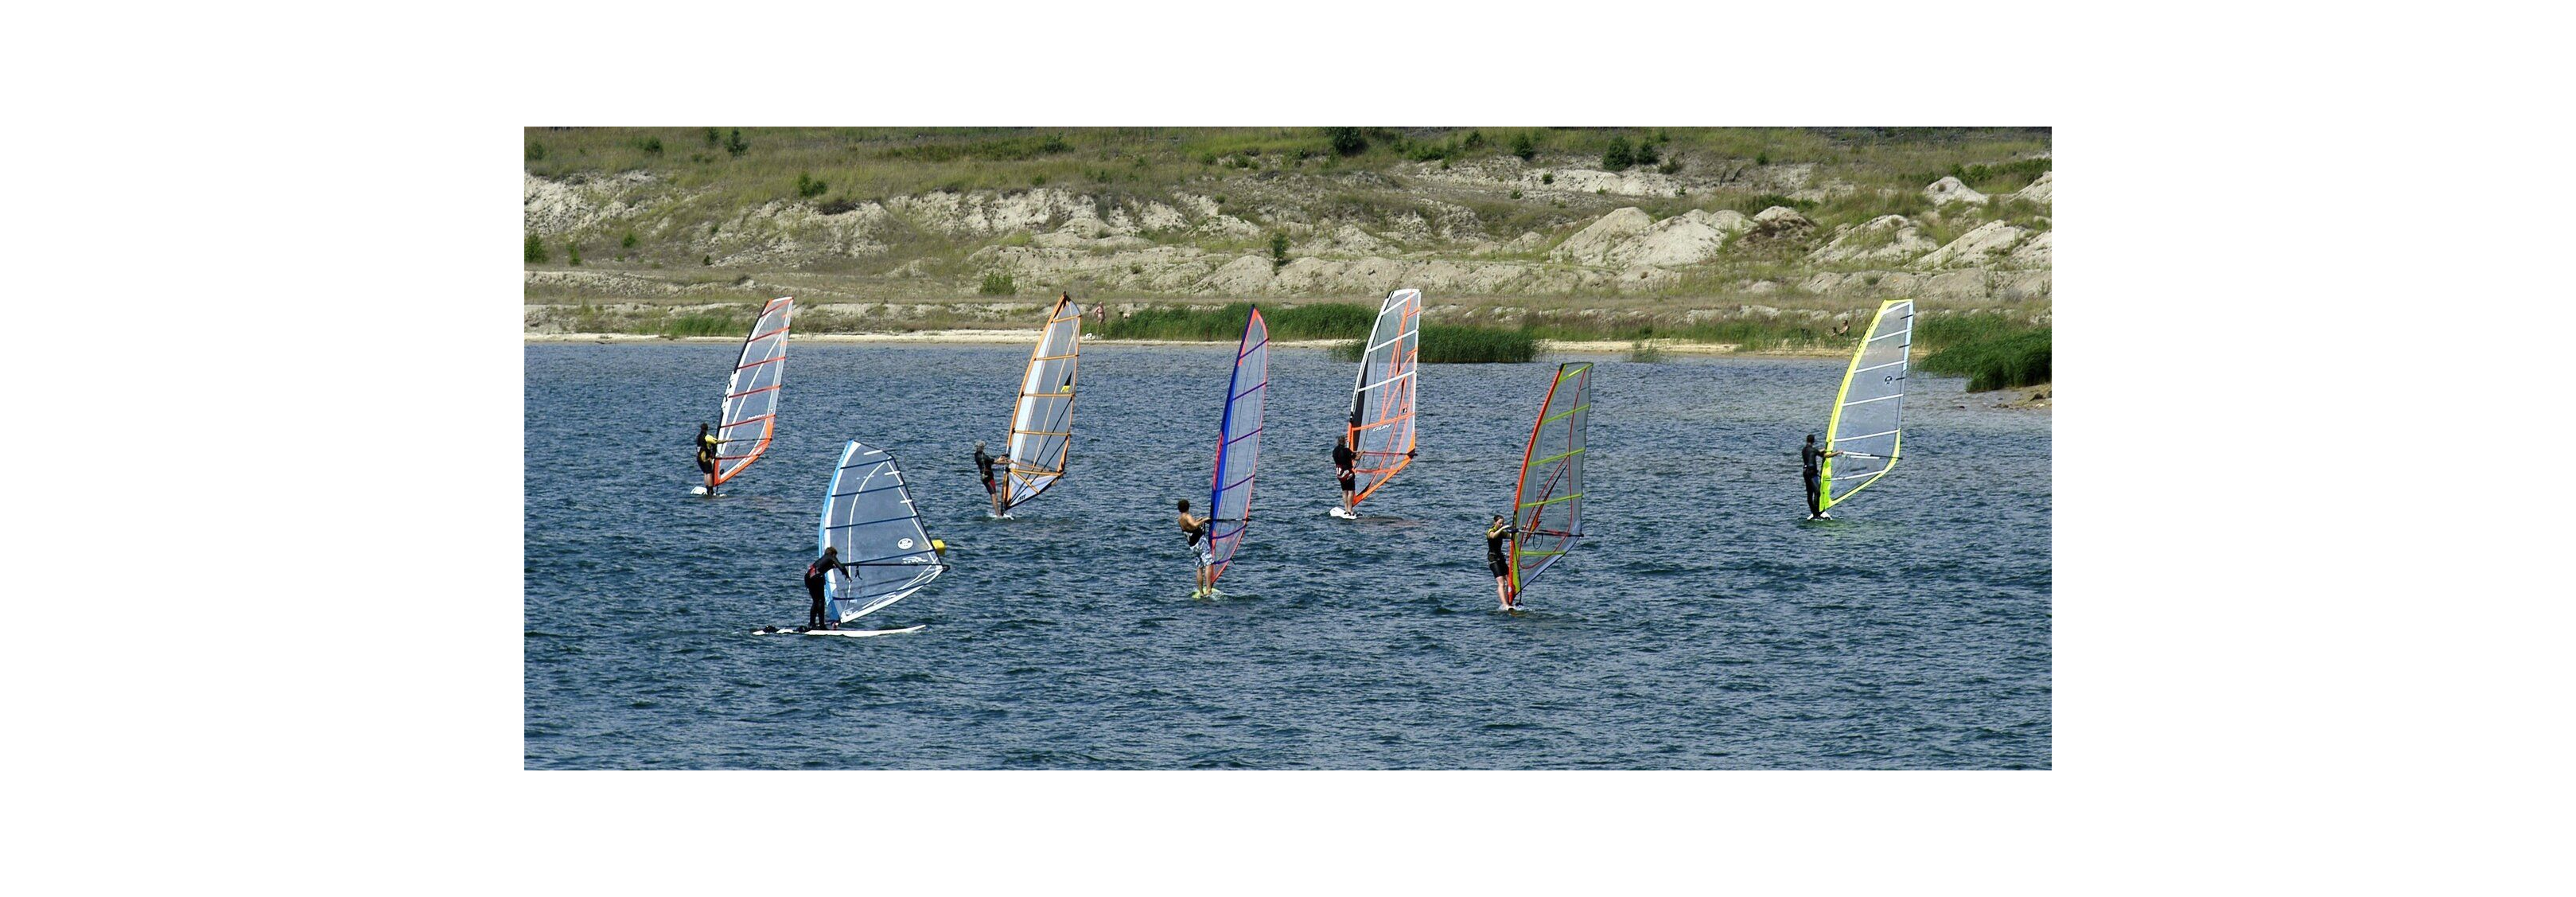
column 1702, row 624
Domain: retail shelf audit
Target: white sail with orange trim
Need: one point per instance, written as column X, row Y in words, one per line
column 751, row 396
column 1042, row 422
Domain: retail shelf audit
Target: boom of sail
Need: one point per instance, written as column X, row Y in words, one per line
column 1042, row 424
column 1868, row 410
column 1381, row 424
column 869, row 516
column 1549, row 501
column 751, row 396
column 1238, row 445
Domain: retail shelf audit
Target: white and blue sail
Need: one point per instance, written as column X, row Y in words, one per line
column 869, row 517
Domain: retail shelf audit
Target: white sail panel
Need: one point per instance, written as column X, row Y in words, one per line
column 751, row 394
column 1238, row 445
column 869, row 516
column 1549, row 502
column 1042, row 424
column 1869, row 409
column 1381, row 424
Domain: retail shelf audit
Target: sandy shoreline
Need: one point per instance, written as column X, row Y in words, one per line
column 986, row 337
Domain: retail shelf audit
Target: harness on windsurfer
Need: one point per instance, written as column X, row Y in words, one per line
column 816, row 574
column 1812, row 458
column 706, row 443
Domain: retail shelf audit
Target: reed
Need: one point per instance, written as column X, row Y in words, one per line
column 1992, row 351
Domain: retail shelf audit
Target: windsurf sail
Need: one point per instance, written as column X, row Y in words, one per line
column 1238, row 443
column 869, row 516
column 1549, row 501
column 1381, row 424
column 1868, row 409
column 751, row 397
column 1042, row 425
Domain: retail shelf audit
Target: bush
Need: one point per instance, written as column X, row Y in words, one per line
column 704, row 325
column 1454, row 344
column 735, row 144
column 837, row 206
column 572, row 252
column 536, row 151
column 1516, row 194
column 714, row 139
column 628, row 242
column 808, row 188
column 998, row 284
column 536, row 250
column 1278, row 249
column 1475, row 141
column 1524, row 147
column 1646, row 154
column 2020, row 359
column 707, row 260
column 650, row 145
column 1761, row 158
column 1619, row 156
column 1346, row 141
column 1547, row 178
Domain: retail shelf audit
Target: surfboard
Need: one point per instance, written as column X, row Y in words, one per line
column 853, row 633
column 1341, row 512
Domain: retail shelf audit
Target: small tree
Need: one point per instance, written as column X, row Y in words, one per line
column 1475, row 141
column 1346, row 141
column 1619, row 156
column 1524, row 147
column 572, row 252
column 808, row 188
column 735, row 144
column 650, row 145
column 1278, row 249
column 1646, row 154
column 629, row 242
column 536, row 250
column 714, row 139
column 997, row 283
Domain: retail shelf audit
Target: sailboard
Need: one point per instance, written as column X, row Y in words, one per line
column 1868, row 410
column 1042, row 423
column 1381, row 423
column 1238, row 444
column 1548, row 503
column 751, row 396
column 869, row 516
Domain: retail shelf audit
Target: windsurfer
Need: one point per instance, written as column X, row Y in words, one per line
column 816, row 574
column 984, row 464
column 706, row 443
column 1810, row 457
column 1343, row 470
column 1498, row 536
column 1196, row 528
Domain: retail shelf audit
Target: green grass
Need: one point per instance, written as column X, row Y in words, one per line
column 1455, row 344
column 705, row 325
column 1993, row 351
column 1320, row 320
column 1460, row 344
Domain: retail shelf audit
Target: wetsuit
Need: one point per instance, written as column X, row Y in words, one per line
column 1811, row 456
column 984, row 463
column 1495, row 540
column 1342, row 466
column 816, row 574
column 707, row 443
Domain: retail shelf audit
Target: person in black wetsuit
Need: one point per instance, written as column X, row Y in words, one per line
column 1343, row 470
column 1196, row 528
column 706, row 443
column 1498, row 535
column 816, row 574
column 984, row 465
column 1812, row 458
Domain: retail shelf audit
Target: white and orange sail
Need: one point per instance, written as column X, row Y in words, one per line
column 1381, row 423
column 751, row 395
column 1042, row 421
